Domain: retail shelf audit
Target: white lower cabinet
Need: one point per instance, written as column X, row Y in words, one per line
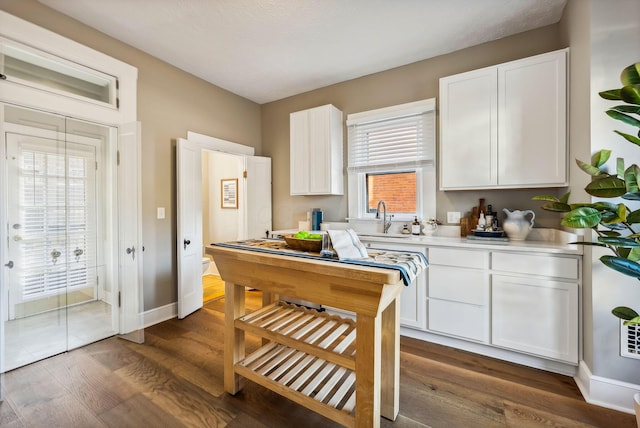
column 537, row 316
column 459, row 296
column 534, row 303
column 520, row 306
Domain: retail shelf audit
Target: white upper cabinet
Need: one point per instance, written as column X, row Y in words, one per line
column 505, row 126
column 316, row 151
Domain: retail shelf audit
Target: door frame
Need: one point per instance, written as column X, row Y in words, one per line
column 191, row 270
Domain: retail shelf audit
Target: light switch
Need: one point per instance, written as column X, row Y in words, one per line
column 160, row 213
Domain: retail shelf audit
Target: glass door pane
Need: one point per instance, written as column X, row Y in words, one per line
column 55, row 301
column 37, row 235
column 90, row 314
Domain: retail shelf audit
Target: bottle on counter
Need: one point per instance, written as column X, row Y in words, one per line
column 492, row 218
column 482, row 222
column 415, row 227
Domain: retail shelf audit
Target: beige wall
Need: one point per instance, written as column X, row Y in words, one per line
column 170, row 103
column 614, row 35
column 400, row 85
column 575, row 29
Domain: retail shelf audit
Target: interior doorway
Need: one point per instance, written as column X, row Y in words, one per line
column 219, row 224
column 203, row 204
column 60, row 238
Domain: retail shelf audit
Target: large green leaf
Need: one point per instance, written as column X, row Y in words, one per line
column 545, row 198
column 620, row 167
column 619, row 242
column 634, row 216
column 624, row 313
column 630, row 138
column 633, row 321
column 593, row 171
column 632, row 197
column 611, row 94
column 623, row 117
column 631, row 74
column 626, row 108
column 565, row 198
column 630, row 93
column 600, row 157
column 605, row 206
column 557, row 207
column 608, row 187
column 622, row 265
column 589, row 243
column 631, row 177
column 614, row 216
column 634, row 254
column 582, row 218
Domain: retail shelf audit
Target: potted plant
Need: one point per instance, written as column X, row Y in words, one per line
column 614, row 223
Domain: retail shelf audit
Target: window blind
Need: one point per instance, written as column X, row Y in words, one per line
column 392, row 139
column 57, row 201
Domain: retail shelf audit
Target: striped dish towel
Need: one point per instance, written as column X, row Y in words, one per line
column 347, row 244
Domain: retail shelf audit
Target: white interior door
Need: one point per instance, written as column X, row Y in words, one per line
column 189, row 227
column 257, row 196
column 130, row 232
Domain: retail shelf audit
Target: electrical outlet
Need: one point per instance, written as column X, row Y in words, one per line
column 453, row 217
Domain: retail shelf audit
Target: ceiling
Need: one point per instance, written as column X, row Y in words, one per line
column 266, row 50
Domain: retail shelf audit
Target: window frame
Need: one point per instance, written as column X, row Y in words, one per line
column 425, row 172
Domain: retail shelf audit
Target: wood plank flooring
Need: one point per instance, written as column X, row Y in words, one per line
column 212, row 287
column 175, row 379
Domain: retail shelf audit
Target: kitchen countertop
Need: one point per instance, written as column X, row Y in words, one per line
column 551, row 241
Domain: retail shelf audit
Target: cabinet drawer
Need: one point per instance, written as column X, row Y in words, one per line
column 457, row 257
column 459, row 319
column 459, row 285
column 542, row 265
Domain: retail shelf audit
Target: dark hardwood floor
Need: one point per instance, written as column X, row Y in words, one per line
column 175, row 379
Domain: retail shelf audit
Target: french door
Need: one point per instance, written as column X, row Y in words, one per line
column 58, row 245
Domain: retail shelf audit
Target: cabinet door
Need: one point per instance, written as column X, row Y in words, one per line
column 316, row 151
column 299, row 152
column 536, row 316
column 468, row 130
column 532, row 147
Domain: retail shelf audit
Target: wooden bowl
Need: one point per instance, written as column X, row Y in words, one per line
column 310, row 245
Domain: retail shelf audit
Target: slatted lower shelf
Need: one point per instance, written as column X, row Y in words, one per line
column 310, row 358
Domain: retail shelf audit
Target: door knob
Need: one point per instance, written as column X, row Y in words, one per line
column 186, row 242
column 132, row 251
column 10, row 264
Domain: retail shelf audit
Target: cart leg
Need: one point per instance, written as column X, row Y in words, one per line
column 368, row 349
column 390, row 370
column 233, row 338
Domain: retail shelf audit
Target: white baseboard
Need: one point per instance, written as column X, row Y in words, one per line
column 609, row 393
column 157, row 315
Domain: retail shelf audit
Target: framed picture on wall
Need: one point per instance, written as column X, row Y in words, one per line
column 229, row 193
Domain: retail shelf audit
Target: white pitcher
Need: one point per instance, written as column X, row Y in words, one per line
column 516, row 224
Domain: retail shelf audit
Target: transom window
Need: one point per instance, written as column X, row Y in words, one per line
column 391, row 159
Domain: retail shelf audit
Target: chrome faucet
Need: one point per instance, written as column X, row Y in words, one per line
column 385, row 224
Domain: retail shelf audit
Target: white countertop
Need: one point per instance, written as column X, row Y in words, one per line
column 539, row 241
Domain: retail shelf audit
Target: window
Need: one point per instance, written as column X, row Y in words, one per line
column 391, row 158
column 31, row 67
column 396, row 189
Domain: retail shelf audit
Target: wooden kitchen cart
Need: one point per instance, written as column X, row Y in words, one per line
column 346, row 370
